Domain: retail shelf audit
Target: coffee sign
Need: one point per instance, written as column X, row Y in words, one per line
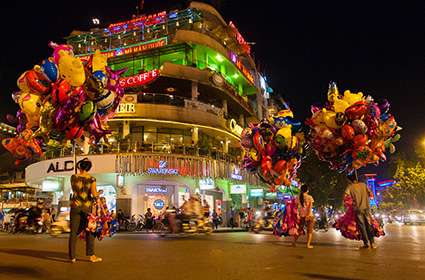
column 139, row 80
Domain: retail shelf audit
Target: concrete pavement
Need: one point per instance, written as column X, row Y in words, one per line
column 400, row 255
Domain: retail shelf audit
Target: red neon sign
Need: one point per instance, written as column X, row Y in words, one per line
column 132, row 49
column 138, row 22
column 139, row 80
column 240, row 39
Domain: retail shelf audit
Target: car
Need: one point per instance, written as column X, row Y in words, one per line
column 414, row 217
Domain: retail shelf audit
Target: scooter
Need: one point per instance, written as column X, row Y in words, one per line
column 61, row 225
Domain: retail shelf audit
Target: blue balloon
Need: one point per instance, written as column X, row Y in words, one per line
column 50, row 70
column 385, row 117
column 100, row 76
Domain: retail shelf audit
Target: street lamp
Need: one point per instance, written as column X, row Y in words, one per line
column 95, row 21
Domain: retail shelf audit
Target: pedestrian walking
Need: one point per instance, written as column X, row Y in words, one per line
column 361, row 205
column 306, row 214
column 84, row 192
column 216, row 219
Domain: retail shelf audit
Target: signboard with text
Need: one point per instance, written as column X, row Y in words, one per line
column 238, row 189
column 139, row 80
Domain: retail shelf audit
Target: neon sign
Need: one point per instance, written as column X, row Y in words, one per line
column 234, row 58
column 245, row 46
column 244, row 71
column 162, row 169
column 235, row 128
column 138, row 22
column 139, row 80
column 130, row 49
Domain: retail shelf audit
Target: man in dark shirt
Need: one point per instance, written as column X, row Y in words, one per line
column 360, row 194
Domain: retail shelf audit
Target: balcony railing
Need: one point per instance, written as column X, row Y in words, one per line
column 125, row 146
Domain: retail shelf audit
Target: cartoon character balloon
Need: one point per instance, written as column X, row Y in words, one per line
column 61, row 99
column 273, row 148
column 352, row 130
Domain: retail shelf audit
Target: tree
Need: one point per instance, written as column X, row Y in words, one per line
column 326, row 186
column 409, row 190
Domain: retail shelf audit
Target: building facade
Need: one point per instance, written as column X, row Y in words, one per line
column 191, row 86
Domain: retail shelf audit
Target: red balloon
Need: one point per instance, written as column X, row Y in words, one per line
column 360, row 140
column 347, row 132
column 357, row 110
column 270, row 149
column 37, row 81
column 258, row 142
column 74, row 132
column 279, row 166
column 60, row 92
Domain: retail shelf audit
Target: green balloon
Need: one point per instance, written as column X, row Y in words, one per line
column 87, row 111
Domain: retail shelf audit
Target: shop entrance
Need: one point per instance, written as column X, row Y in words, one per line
column 157, row 197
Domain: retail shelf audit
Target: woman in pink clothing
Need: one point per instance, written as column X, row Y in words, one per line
column 306, row 213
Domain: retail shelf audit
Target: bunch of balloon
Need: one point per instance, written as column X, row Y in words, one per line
column 63, row 99
column 352, row 130
column 273, row 148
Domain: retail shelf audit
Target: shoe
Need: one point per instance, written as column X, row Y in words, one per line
column 372, row 246
column 310, row 247
column 95, row 259
column 74, row 260
column 364, row 247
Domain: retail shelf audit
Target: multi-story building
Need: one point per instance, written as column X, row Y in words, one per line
column 191, row 86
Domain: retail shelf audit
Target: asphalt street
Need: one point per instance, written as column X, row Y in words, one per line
column 400, row 255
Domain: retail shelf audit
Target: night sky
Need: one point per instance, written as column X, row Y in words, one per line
column 376, row 48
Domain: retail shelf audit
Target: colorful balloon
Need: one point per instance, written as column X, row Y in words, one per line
column 352, row 130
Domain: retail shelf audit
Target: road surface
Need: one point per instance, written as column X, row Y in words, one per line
column 241, row 255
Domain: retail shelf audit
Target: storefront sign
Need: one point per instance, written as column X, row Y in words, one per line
column 129, row 50
column 140, row 79
column 158, row 204
column 156, row 189
column 162, row 169
column 58, row 166
column 206, row 184
column 256, row 192
column 234, row 58
column 271, row 195
column 237, row 189
column 236, row 174
column 125, row 108
column 235, row 128
column 138, row 22
column 245, row 46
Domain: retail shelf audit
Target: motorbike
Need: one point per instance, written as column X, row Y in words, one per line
column 61, row 225
column 190, row 225
column 263, row 223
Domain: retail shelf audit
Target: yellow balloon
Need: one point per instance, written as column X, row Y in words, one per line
column 333, row 92
column 99, row 61
column 285, row 113
column 329, row 118
column 71, row 69
column 340, row 105
column 285, row 132
column 30, row 105
column 352, row 98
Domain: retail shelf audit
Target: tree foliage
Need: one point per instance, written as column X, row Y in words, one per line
column 326, row 186
column 409, row 190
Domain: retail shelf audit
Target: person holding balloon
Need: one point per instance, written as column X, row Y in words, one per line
column 361, row 204
column 84, row 193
